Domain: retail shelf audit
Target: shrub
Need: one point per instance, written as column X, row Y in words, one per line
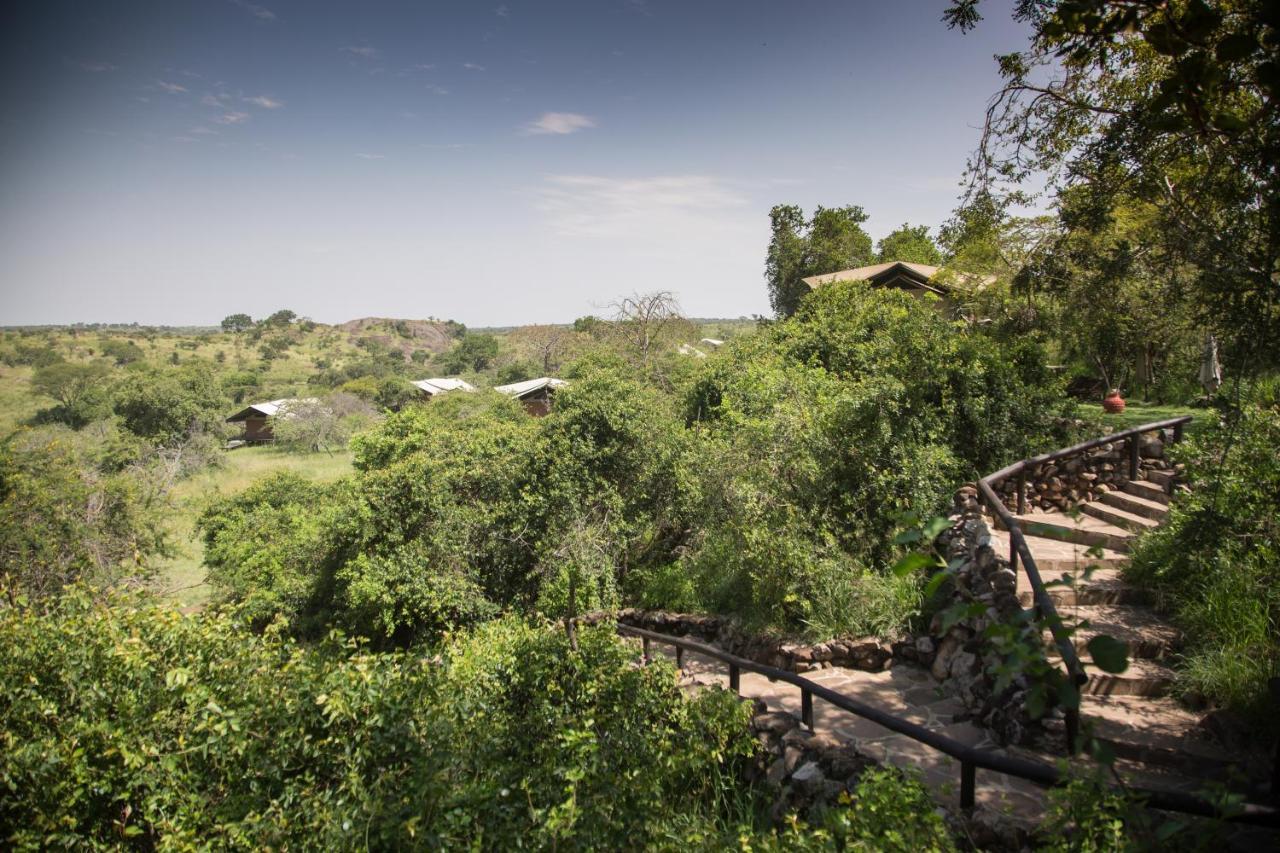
column 67, row 513
column 131, row 724
column 166, row 406
column 1216, row 562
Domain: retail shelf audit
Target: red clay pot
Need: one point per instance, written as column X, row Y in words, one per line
column 1113, row 403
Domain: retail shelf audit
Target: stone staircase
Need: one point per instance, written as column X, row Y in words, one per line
column 1157, row 741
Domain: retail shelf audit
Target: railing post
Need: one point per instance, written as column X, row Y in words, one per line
column 967, row 784
column 734, row 677
column 1177, row 432
column 680, row 658
column 1133, row 457
column 644, row 642
column 1072, row 719
column 1022, row 493
column 806, row 708
column 1275, row 770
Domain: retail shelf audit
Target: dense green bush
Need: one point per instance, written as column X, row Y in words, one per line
column 132, row 723
column 1216, row 562
column 74, row 506
column 168, row 405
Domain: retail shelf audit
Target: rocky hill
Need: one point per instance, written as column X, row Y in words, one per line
column 404, row 335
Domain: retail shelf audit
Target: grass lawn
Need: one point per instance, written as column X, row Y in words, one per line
column 182, row 577
column 1138, row 413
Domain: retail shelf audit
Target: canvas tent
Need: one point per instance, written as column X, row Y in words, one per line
column 534, row 394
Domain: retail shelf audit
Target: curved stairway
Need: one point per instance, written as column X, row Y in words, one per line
column 1159, row 744
column 1156, row 739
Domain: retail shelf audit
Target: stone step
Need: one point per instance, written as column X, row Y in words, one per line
column 1084, row 530
column 1150, row 491
column 1119, row 517
column 1162, row 478
column 1136, row 505
column 1147, row 635
column 1145, row 678
column 1156, row 732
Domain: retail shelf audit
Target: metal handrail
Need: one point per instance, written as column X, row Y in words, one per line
column 970, row 757
column 1018, row 547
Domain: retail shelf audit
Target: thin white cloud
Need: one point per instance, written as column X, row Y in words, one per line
column 503, row 11
column 471, row 66
column 97, row 67
column 591, row 205
column 364, row 156
column 201, row 130
column 425, row 66
column 233, row 117
column 171, row 88
column 264, row 101
column 559, row 124
column 437, row 90
column 262, row 13
column 363, row 51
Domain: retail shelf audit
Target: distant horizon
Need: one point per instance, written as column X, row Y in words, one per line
column 504, row 164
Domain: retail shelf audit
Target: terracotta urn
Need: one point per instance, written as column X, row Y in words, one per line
column 1113, row 403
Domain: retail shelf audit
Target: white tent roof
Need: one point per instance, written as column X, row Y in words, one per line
column 521, row 389
column 269, row 409
column 439, row 385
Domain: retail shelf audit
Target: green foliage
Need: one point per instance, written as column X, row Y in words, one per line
column 236, row 323
column 283, row 317
column 68, row 513
column 474, row 351
column 910, row 243
column 132, row 724
column 264, row 546
column 165, row 406
column 1088, row 815
column 1216, row 561
column 832, row 240
column 80, row 390
column 122, row 351
column 890, row 811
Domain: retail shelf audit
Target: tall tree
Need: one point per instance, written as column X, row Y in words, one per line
column 832, row 240
column 910, row 243
column 1171, row 102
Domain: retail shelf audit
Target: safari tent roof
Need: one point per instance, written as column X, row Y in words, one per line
column 921, row 274
column 267, row 410
column 439, row 385
column 524, row 389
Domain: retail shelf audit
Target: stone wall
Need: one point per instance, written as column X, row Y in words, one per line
column 866, row 653
column 959, row 656
column 1065, row 483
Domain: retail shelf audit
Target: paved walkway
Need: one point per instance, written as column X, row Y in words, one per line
column 906, row 691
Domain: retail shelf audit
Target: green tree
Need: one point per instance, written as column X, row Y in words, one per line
column 832, row 240
column 474, row 351
column 910, row 243
column 80, row 390
column 167, row 406
column 236, row 323
column 122, row 350
column 1172, row 104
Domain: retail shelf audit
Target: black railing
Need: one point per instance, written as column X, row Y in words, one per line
column 1018, row 548
column 972, row 758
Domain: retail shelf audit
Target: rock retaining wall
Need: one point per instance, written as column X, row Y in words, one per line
column 868, row 653
column 1065, row 483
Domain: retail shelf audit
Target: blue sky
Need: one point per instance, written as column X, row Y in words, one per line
column 498, row 163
